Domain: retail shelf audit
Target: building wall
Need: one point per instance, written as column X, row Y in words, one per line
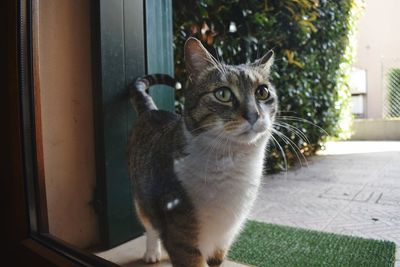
column 378, row 46
column 67, row 119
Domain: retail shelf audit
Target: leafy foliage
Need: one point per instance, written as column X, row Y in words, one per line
column 310, row 39
column 393, row 95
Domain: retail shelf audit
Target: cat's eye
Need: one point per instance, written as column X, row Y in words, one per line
column 223, row 94
column 262, row 93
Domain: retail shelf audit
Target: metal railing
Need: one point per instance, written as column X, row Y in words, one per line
column 391, row 85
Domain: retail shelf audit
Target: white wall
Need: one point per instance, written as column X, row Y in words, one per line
column 378, row 45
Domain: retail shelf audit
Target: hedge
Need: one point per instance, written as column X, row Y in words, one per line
column 313, row 53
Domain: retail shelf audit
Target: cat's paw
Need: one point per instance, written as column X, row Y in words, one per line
column 152, row 256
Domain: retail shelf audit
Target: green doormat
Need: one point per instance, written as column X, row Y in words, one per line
column 263, row 244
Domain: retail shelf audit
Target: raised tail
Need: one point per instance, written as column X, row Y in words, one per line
column 140, row 99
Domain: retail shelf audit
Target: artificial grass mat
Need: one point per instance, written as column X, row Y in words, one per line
column 262, row 244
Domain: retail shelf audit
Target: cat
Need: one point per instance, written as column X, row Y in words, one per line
column 196, row 176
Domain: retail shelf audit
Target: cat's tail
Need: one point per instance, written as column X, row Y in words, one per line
column 140, row 99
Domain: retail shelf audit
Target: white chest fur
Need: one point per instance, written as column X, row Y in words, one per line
column 222, row 183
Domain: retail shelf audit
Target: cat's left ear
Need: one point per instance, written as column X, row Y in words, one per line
column 197, row 58
column 266, row 61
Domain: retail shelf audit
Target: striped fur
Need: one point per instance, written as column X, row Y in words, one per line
column 196, row 176
column 140, row 99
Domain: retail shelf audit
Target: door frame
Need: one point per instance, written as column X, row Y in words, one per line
column 130, row 38
column 24, row 231
column 26, row 238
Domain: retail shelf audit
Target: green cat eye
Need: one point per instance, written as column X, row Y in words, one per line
column 223, row 94
column 262, row 93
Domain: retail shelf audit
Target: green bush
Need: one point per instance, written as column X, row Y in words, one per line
column 311, row 42
column 393, row 94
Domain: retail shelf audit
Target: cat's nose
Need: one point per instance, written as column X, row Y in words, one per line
column 251, row 117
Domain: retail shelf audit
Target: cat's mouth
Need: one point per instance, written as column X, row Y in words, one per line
column 249, row 135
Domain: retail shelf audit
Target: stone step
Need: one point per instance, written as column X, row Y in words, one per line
column 130, row 254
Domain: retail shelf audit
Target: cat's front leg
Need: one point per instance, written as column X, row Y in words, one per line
column 217, row 258
column 153, row 244
column 153, row 247
column 184, row 254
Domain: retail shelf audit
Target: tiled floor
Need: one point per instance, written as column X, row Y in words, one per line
column 351, row 188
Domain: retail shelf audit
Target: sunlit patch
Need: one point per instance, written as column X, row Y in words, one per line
column 359, row 147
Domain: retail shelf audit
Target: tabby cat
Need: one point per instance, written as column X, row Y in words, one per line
column 196, row 176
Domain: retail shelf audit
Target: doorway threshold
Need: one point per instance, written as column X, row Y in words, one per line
column 130, row 254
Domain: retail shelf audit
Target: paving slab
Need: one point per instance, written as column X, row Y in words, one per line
column 350, row 188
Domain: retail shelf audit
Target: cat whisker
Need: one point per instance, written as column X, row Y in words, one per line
column 230, row 150
column 205, row 126
column 280, row 122
column 297, row 132
column 293, row 145
column 294, row 130
column 221, row 65
column 217, row 65
column 228, row 145
column 293, row 118
column 282, row 151
column 220, row 62
column 212, row 147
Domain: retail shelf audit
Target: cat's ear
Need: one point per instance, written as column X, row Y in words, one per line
column 266, row 61
column 197, row 58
